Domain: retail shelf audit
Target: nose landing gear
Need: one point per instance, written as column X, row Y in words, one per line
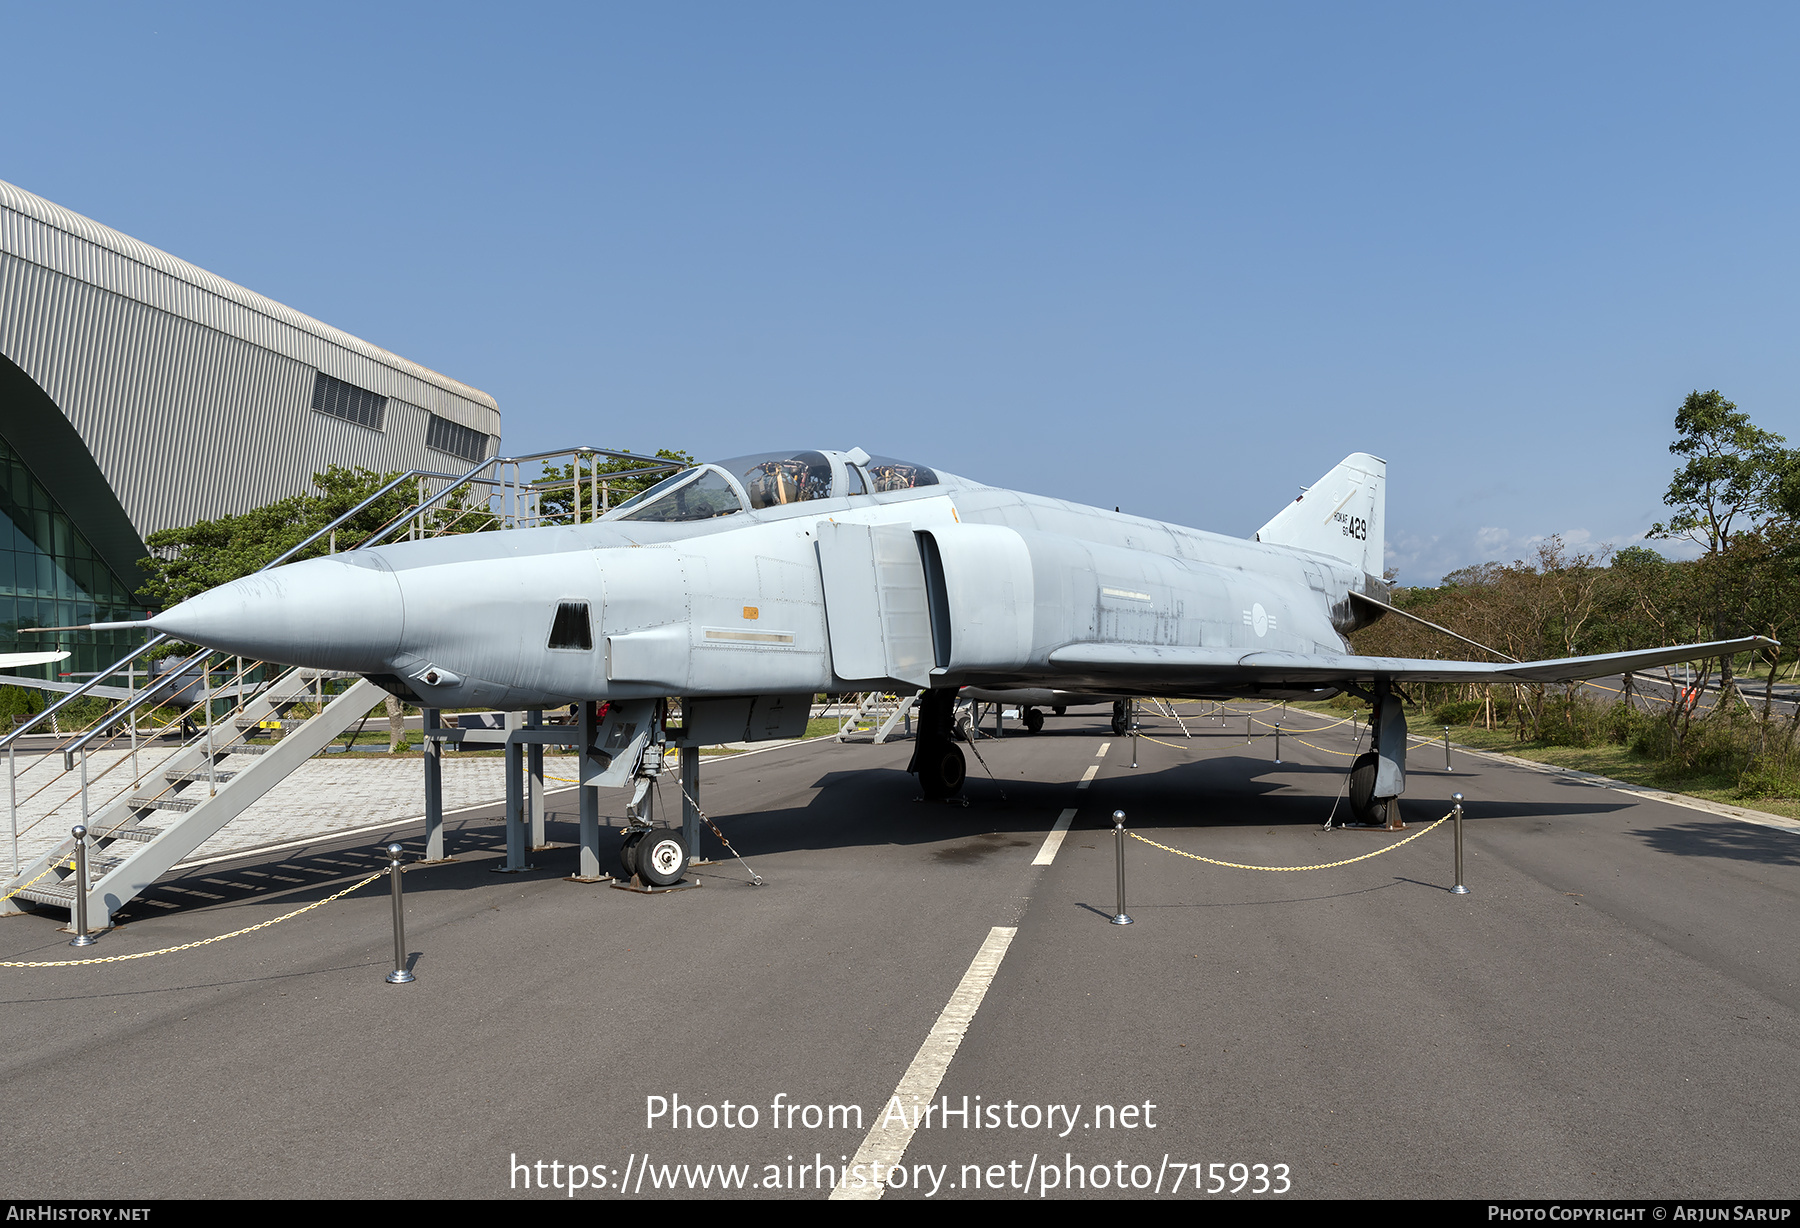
column 937, row 761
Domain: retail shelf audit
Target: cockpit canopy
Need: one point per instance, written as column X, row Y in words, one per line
column 769, row 479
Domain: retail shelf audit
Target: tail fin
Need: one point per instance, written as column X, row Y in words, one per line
column 1343, row 514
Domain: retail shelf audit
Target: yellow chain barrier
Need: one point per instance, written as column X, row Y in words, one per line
column 187, row 946
column 1317, row 729
column 1160, row 742
column 1348, row 754
column 1281, row 869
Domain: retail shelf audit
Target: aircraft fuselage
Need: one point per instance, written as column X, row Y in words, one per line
column 813, row 596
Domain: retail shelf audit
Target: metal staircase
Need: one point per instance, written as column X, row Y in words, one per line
column 157, row 817
column 881, row 710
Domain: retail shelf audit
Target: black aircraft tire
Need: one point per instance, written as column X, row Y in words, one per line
column 1365, row 807
column 1059, row 709
column 942, row 772
column 1119, row 727
column 1034, row 720
column 661, row 858
column 628, row 852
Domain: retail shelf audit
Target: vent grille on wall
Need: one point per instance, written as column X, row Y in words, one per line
column 456, row 439
column 347, row 401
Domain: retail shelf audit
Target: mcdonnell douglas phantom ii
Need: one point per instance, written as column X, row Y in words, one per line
column 747, row 586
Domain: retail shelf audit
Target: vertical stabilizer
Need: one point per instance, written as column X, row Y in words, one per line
column 1343, row 514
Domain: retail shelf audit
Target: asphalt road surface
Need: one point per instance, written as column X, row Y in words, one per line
column 1612, row 1012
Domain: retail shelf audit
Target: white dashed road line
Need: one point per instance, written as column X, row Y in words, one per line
column 1054, row 839
column 886, row 1142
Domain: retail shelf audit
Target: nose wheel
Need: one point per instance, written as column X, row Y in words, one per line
column 661, row 857
column 1365, row 807
column 656, row 858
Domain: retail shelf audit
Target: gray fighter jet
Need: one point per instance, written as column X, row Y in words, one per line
column 748, row 585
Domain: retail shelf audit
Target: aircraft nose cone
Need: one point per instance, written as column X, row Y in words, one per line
column 343, row 612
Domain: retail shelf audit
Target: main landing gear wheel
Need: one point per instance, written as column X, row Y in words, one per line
column 942, row 771
column 1034, row 720
column 1059, row 709
column 1365, row 807
column 1121, row 720
column 662, row 858
column 628, row 851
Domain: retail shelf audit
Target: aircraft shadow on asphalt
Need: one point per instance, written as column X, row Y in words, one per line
column 1727, row 838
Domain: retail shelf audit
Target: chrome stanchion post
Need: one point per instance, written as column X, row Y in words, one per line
column 399, row 976
column 1119, row 842
column 1457, row 814
column 1132, row 712
column 1278, row 741
column 1446, row 748
column 82, row 937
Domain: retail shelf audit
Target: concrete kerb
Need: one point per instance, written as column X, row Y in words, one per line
column 1741, row 813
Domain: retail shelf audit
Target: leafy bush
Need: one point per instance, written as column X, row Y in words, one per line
column 1765, row 779
column 1457, row 712
column 1623, row 725
column 1568, row 720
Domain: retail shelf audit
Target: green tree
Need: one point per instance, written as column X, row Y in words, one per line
column 1736, row 475
column 1735, row 482
column 190, row 560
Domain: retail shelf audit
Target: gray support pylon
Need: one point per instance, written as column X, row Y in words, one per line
column 690, row 799
column 514, row 761
column 589, row 861
column 534, row 760
column 434, row 786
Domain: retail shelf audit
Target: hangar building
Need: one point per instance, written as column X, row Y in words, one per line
column 138, row 392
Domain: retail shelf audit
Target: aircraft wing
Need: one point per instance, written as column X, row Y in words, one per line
column 1150, row 668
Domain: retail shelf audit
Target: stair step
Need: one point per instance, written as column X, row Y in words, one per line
column 165, row 803
column 197, row 775
column 53, row 894
column 141, row 835
column 248, row 748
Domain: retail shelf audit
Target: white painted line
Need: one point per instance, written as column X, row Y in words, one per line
column 893, row 1130
column 1054, row 840
column 1087, row 777
column 1104, row 747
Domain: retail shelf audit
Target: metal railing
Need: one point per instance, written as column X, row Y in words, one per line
column 501, row 500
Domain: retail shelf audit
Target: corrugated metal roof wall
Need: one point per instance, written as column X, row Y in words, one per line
column 193, row 394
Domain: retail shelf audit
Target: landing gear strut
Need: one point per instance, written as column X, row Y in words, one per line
column 937, row 760
column 1378, row 777
column 1121, row 718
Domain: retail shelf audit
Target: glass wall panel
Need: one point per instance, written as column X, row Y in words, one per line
column 50, row 576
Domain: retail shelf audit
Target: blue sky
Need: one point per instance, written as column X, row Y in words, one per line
column 1179, row 258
